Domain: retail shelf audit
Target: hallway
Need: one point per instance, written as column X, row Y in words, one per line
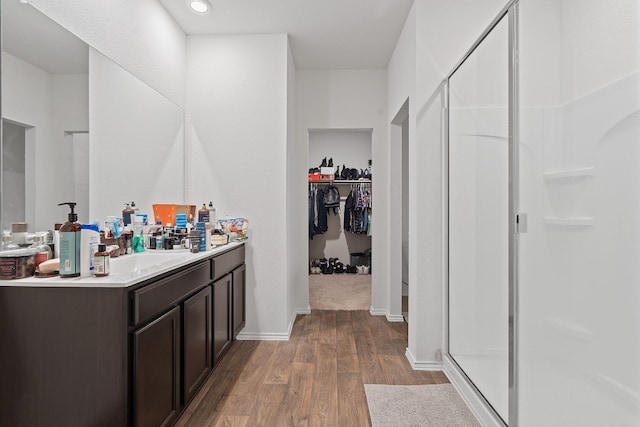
column 314, row 379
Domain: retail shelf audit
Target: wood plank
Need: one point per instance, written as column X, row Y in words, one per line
column 352, row 404
column 370, row 368
column 281, row 363
column 324, row 395
column 267, row 404
column 296, row 406
column 232, row 421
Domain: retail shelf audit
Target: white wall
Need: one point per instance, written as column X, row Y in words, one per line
column 139, row 35
column 48, row 105
column 237, row 108
column 351, row 99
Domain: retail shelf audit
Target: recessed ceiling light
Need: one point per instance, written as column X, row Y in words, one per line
column 199, row 6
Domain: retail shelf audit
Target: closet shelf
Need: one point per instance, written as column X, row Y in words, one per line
column 570, row 174
column 343, row 181
column 576, row 222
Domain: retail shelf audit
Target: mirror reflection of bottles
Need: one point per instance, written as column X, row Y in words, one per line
column 43, row 251
column 203, row 214
column 212, row 214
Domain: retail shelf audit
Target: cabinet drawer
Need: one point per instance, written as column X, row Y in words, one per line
column 222, row 264
column 156, row 297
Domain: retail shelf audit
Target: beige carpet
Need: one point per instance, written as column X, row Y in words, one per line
column 340, row 291
column 436, row 405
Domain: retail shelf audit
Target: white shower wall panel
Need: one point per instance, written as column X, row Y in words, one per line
column 579, row 322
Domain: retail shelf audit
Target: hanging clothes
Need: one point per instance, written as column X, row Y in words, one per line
column 317, row 212
column 358, row 209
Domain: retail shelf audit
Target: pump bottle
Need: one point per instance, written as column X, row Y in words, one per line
column 70, row 244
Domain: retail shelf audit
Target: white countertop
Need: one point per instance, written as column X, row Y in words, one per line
column 127, row 270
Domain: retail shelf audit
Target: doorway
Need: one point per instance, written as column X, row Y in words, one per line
column 340, row 269
column 13, row 173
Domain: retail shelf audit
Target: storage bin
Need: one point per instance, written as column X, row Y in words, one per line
column 166, row 212
column 360, row 258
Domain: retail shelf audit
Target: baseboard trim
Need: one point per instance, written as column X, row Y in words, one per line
column 429, row 365
column 395, row 318
column 377, row 311
column 306, row 310
column 477, row 404
column 274, row 336
column 260, row 336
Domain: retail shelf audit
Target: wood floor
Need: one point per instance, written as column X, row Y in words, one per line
column 314, row 379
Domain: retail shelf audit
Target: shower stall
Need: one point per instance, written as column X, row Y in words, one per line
column 543, row 154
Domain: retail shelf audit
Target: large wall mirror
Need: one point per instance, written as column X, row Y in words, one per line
column 78, row 127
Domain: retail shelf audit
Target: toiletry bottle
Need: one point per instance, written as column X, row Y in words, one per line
column 159, row 241
column 138, row 234
column 70, row 244
column 203, row 214
column 43, row 251
column 212, row 215
column 7, row 242
column 56, row 240
column 89, row 241
column 101, row 262
column 126, row 214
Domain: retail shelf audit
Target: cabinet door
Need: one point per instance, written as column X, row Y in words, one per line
column 156, row 371
column 238, row 297
column 221, row 316
column 196, row 333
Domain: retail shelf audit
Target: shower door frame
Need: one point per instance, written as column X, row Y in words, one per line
column 516, row 223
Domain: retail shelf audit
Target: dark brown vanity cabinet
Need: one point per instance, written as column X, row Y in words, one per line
column 221, row 316
column 131, row 355
column 228, row 299
column 197, row 323
column 156, row 371
column 238, row 303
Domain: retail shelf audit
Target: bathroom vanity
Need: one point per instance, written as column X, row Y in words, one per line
column 129, row 349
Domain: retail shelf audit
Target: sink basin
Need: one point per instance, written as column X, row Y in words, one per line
column 143, row 262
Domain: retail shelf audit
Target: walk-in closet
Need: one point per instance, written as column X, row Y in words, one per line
column 340, row 216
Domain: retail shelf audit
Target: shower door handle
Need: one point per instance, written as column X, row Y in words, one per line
column 521, row 223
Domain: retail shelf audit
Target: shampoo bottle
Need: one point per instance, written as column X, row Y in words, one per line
column 70, row 244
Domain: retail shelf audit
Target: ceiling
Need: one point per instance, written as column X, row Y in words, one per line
column 324, row 34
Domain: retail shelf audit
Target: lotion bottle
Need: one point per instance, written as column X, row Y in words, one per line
column 70, row 244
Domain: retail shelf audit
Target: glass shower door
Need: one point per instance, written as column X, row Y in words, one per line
column 478, row 167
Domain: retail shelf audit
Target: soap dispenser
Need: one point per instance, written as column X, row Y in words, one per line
column 70, row 244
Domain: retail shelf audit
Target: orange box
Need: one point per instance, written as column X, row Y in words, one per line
column 166, row 213
column 314, row 177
